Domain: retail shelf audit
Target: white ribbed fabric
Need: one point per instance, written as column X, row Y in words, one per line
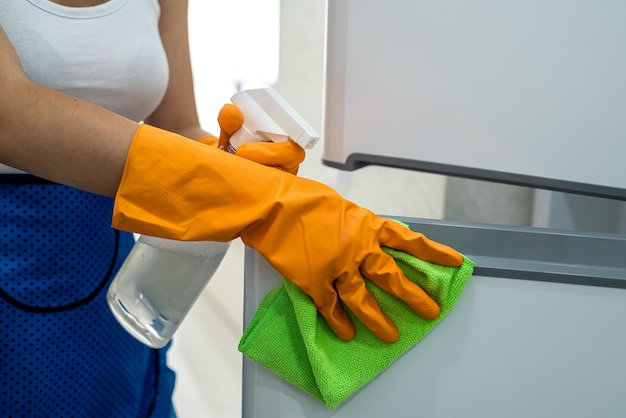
column 110, row 54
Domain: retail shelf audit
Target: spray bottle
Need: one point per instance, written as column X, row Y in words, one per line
column 161, row 279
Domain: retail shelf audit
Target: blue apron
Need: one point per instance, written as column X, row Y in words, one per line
column 62, row 353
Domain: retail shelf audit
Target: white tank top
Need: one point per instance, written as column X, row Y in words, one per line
column 110, row 54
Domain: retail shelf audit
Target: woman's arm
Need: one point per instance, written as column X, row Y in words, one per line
column 73, row 142
column 56, row 136
column 177, row 112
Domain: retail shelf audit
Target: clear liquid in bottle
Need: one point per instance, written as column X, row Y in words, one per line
column 159, row 283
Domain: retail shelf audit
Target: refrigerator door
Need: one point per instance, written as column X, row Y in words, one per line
column 540, row 331
column 530, row 93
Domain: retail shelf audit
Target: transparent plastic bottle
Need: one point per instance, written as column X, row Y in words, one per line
column 158, row 284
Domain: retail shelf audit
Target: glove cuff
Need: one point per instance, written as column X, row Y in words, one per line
column 173, row 187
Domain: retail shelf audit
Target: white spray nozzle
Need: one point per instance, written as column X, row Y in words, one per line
column 267, row 117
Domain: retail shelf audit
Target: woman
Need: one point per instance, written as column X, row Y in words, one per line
column 76, row 78
column 63, row 354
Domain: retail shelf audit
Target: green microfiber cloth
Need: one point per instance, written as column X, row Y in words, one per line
column 289, row 337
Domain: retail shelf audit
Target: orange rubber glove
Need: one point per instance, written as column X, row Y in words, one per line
column 285, row 155
column 175, row 188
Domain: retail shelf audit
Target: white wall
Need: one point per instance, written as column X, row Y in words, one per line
column 233, row 44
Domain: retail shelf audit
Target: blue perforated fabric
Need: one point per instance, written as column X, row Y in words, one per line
column 62, row 353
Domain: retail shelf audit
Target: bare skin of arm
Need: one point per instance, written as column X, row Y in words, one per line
column 56, row 136
column 73, row 142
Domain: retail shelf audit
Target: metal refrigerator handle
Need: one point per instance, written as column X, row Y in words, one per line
column 575, row 257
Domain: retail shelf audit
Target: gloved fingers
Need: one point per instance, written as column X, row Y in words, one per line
column 230, row 120
column 398, row 237
column 286, row 155
column 361, row 302
column 381, row 269
column 209, row 140
column 336, row 317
